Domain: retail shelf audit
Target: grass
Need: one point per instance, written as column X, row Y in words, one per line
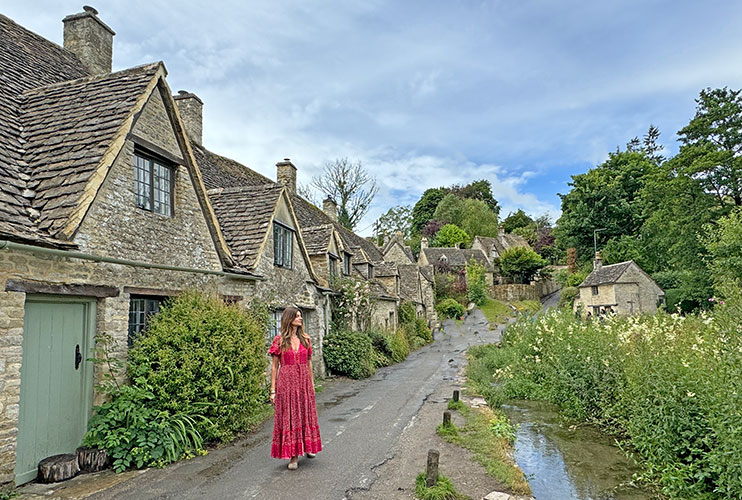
column 483, row 435
column 456, row 405
column 496, row 311
column 443, row 490
column 527, row 306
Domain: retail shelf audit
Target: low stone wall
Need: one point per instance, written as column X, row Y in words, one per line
column 533, row 291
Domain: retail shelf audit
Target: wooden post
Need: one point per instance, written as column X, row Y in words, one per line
column 431, row 471
column 455, row 396
column 446, row 418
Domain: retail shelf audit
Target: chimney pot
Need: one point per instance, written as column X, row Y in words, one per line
column 191, row 108
column 424, row 242
column 86, row 36
column 286, row 175
column 598, row 262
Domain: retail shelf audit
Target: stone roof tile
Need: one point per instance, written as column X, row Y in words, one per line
column 317, row 239
column 456, row 257
column 606, row 274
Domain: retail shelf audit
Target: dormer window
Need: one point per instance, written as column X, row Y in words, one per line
column 346, row 264
column 153, row 184
column 283, row 245
column 333, row 265
column 370, row 271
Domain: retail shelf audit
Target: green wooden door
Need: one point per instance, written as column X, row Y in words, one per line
column 56, row 381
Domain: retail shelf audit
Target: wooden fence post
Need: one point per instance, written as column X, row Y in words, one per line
column 446, row 418
column 455, row 396
column 431, row 471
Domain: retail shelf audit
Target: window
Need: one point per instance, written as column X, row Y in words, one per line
column 333, row 265
column 346, row 264
column 153, row 185
column 595, row 290
column 140, row 310
column 283, row 244
column 275, row 325
column 370, row 271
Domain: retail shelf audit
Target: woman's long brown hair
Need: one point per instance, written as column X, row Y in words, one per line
column 286, row 328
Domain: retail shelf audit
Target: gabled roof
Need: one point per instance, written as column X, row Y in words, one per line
column 427, row 272
column 606, row 274
column 455, row 257
column 245, row 214
column 221, row 172
column 397, row 240
column 501, row 242
column 317, row 238
column 409, row 283
column 69, row 129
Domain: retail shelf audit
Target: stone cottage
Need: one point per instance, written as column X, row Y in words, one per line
column 104, row 213
column 447, row 259
column 415, row 282
column 621, row 288
column 493, row 248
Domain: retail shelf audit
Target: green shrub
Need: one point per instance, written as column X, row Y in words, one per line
column 416, row 343
column 423, row 331
column 349, row 353
column 198, row 349
column 568, row 296
column 135, row 433
column 443, row 489
column 476, row 288
column 449, row 308
column 575, row 279
column 400, row 346
column 407, row 313
column 381, row 340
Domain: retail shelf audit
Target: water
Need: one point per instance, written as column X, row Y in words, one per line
column 569, row 462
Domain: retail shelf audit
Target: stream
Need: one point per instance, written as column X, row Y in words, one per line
column 568, row 462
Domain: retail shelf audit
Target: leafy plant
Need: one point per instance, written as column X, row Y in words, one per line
column 568, row 296
column 476, row 286
column 349, row 353
column 135, row 433
column 442, row 490
column 352, row 306
column 400, row 346
column 449, row 308
column 200, row 349
column 521, row 264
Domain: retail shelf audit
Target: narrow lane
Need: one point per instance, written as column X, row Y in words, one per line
column 360, row 422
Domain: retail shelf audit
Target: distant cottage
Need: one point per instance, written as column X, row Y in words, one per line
column 622, row 288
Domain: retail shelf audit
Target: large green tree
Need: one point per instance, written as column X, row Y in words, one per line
column 473, row 216
column 451, row 235
column 516, row 220
column 425, row 207
column 521, row 264
column 607, row 198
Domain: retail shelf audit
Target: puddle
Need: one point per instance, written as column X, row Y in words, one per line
column 569, row 463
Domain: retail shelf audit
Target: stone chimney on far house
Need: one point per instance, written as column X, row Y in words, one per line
column 286, row 175
column 86, row 36
column 598, row 262
column 330, row 208
column 191, row 107
column 423, row 242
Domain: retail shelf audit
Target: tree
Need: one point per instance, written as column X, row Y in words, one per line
column 607, row 197
column 396, row 219
column 450, row 235
column 521, row 264
column 711, row 145
column 478, row 190
column 471, row 215
column 515, row 220
column 425, row 207
column 350, row 186
column 648, row 146
column 724, row 244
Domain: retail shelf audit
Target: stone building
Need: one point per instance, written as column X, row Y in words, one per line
column 493, row 248
column 415, row 282
column 446, row 259
column 621, row 288
column 104, row 213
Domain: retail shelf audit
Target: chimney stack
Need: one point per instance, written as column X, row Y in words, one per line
column 286, row 175
column 190, row 107
column 598, row 262
column 424, row 242
column 330, row 208
column 86, row 36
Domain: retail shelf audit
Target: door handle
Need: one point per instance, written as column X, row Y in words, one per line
column 78, row 356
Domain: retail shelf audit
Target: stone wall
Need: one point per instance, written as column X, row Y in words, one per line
column 385, row 314
column 510, row 293
column 11, row 340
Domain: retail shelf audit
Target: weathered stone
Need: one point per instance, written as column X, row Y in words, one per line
column 497, row 495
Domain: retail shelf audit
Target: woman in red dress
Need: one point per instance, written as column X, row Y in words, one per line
column 295, row 428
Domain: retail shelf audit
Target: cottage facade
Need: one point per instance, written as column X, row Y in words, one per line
column 622, row 288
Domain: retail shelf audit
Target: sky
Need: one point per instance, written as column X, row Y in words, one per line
column 428, row 93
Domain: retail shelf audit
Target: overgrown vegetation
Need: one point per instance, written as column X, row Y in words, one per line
column 489, row 435
column 197, row 374
column 443, row 489
column 496, row 311
column 476, row 285
column 667, row 386
column 349, row 353
column 449, row 308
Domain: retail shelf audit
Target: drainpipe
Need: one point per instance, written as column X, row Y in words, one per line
column 11, row 245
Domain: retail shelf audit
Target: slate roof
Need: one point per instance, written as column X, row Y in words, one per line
column 409, row 285
column 221, row 172
column 382, row 269
column 397, row 240
column 317, row 238
column 501, row 242
column 244, row 214
column 67, row 129
column 456, row 257
column 427, row 272
column 606, row 274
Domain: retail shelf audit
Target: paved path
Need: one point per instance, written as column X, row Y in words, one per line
column 361, row 423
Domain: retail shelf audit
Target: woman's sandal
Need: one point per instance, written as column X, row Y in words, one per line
column 293, row 465
column 311, row 455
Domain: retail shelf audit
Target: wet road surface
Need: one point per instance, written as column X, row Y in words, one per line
column 360, row 423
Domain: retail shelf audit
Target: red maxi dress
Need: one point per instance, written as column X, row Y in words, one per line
column 295, row 427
